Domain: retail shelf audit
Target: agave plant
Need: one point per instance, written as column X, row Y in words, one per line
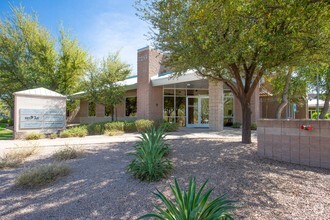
column 192, row 205
column 149, row 163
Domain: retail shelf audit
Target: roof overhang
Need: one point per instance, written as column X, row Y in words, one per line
column 169, row 79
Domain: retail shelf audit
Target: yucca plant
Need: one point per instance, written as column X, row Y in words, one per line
column 149, row 163
column 192, row 205
column 154, row 137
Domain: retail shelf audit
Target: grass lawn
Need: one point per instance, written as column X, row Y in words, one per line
column 6, row 134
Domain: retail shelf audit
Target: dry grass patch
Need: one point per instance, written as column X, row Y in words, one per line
column 14, row 158
column 42, row 175
column 67, row 153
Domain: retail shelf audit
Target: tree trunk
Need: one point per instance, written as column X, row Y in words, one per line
column 246, row 127
column 325, row 107
column 284, row 101
column 112, row 112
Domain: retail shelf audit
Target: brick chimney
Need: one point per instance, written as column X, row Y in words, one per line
column 149, row 98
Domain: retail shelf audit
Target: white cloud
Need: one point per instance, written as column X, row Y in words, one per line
column 112, row 32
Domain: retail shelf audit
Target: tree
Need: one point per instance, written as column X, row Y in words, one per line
column 102, row 84
column 319, row 77
column 236, row 41
column 29, row 58
column 289, row 85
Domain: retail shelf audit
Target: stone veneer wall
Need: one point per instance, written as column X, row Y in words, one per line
column 284, row 140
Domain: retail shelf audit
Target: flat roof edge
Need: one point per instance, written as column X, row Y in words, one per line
column 143, row 48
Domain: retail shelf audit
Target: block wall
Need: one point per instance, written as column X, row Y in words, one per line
column 215, row 105
column 284, row 140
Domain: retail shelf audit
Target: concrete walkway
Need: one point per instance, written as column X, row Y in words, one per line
column 183, row 133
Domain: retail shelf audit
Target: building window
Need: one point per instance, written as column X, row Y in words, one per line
column 91, row 109
column 131, row 106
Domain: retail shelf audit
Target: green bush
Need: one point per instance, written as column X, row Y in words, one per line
column 142, row 125
column 96, row 128
column 80, row 131
column 129, row 126
column 34, row 136
column 3, row 125
column 4, row 121
column 236, row 125
column 42, row 175
column 10, row 122
column 53, row 136
column 169, row 127
column 114, row 126
column 253, row 126
column 314, row 115
column 113, row 133
column 149, row 162
column 190, row 204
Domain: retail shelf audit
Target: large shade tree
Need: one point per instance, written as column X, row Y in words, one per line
column 236, row 41
column 30, row 57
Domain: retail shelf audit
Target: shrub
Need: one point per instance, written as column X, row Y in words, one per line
column 53, row 136
column 236, row 125
column 42, row 175
column 34, row 136
column 114, row 126
column 14, row 158
column 169, row 127
column 142, row 125
column 96, row 129
column 191, row 204
column 2, row 125
column 149, row 162
column 80, row 131
column 67, row 153
column 10, row 122
column 253, row 126
column 314, row 115
column 129, row 126
column 113, row 133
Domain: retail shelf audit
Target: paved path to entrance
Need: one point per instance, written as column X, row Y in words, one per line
column 183, row 133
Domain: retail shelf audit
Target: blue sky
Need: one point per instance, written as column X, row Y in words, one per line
column 101, row 26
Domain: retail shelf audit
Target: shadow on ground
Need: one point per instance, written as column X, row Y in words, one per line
column 99, row 188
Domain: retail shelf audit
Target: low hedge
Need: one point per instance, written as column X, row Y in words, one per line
column 143, row 124
column 80, row 131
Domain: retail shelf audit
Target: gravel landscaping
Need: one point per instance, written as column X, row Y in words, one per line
column 98, row 186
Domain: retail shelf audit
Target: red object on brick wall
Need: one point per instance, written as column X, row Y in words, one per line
column 307, row 127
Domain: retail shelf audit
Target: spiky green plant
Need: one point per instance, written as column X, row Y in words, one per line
column 149, row 162
column 192, row 205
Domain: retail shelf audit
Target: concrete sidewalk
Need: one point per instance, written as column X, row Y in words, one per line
column 183, row 133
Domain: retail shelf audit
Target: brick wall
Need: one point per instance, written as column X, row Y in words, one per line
column 215, row 105
column 284, row 140
column 149, row 98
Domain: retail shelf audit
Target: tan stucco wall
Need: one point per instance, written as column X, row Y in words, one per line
column 284, row 140
column 36, row 102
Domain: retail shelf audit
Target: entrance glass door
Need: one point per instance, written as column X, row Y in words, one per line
column 197, row 111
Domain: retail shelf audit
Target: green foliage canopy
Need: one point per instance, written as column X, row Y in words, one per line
column 237, row 41
column 102, row 83
column 30, row 57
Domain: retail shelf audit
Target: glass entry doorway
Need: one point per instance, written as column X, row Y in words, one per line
column 197, row 111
